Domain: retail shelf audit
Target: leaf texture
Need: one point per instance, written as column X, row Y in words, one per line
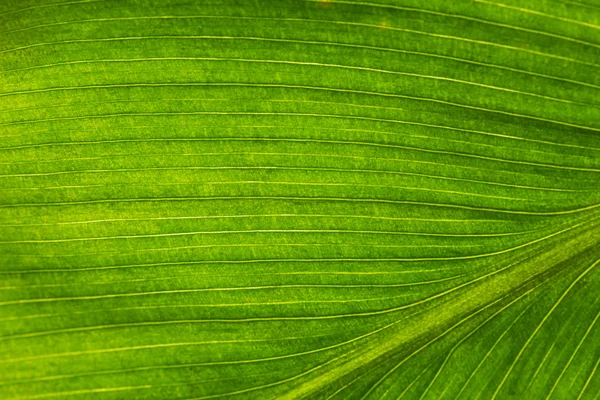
column 300, row 199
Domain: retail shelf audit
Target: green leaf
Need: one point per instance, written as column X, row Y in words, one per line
column 300, row 199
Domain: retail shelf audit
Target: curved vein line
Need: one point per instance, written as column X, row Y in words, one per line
column 310, row 260
column 437, row 337
column 370, row 232
column 82, row 391
column 51, row 5
column 271, row 245
column 418, row 10
column 205, row 183
column 341, row 142
column 292, row 198
column 294, row 377
column 328, row 43
column 581, row 4
column 280, row 126
column 342, row 388
column 407, row 388
column 324, row 317
column 557, row 381
column 239, row 274
column 259, row 216
column 353, row 157
column 429, row 138
column 274, row 260
column 121, row 101
column 589, row 379
column 245, row 304
column 324, row 65
column 369, row 333
column 142, row 347
column 528, row 11
column 463, row 17
column 474, row 372
column 274, row 383
column 192, row 139
column 234, row 289
column 542, row 363
column 539, row 326
column 270, row 85
column 283, row 183
column 451, row 352
column 404, row 30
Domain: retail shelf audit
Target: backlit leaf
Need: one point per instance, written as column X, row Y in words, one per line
column 299, row 199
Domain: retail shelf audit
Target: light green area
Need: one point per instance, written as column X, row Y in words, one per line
column 289, row 199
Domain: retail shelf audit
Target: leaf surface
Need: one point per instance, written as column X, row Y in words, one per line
column 332, row 199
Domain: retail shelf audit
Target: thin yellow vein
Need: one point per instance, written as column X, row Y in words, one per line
column 274, row 383
column 442, row 394
column 216, row 262
column 330, row 246
column 287, row 215
column 328, row 43
column 82, row 391
column 177, row 248
column 244, row 288
column 413, row 9
column 589, row 379
column 270, row 85
column 313, row 351
column 562, row 372
column 305, row 140
column 120, row 101
column 542, row 363
column 344, row 142
column 36, row 7
column 410, row 385
column 156, row 346
column 320, row 184
column 340, row 142
column 317, row 64
column 324, row 317
column 233, row 232
column 461, row 17
column 209, row 305
column 542, row 14
column 126, row 388
column 491, row 349
column 411, row 31
column 176, row 366
column 457, row 345
column 326, row 169
column 244, row 320
column 258, row 245
column 524, row 347
column 581, row 4
column 178, row 277
column 292, row 168
column 343, row 387
column 293, row 183
column 436, row 338
column 279, row 126
column 297, row 198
